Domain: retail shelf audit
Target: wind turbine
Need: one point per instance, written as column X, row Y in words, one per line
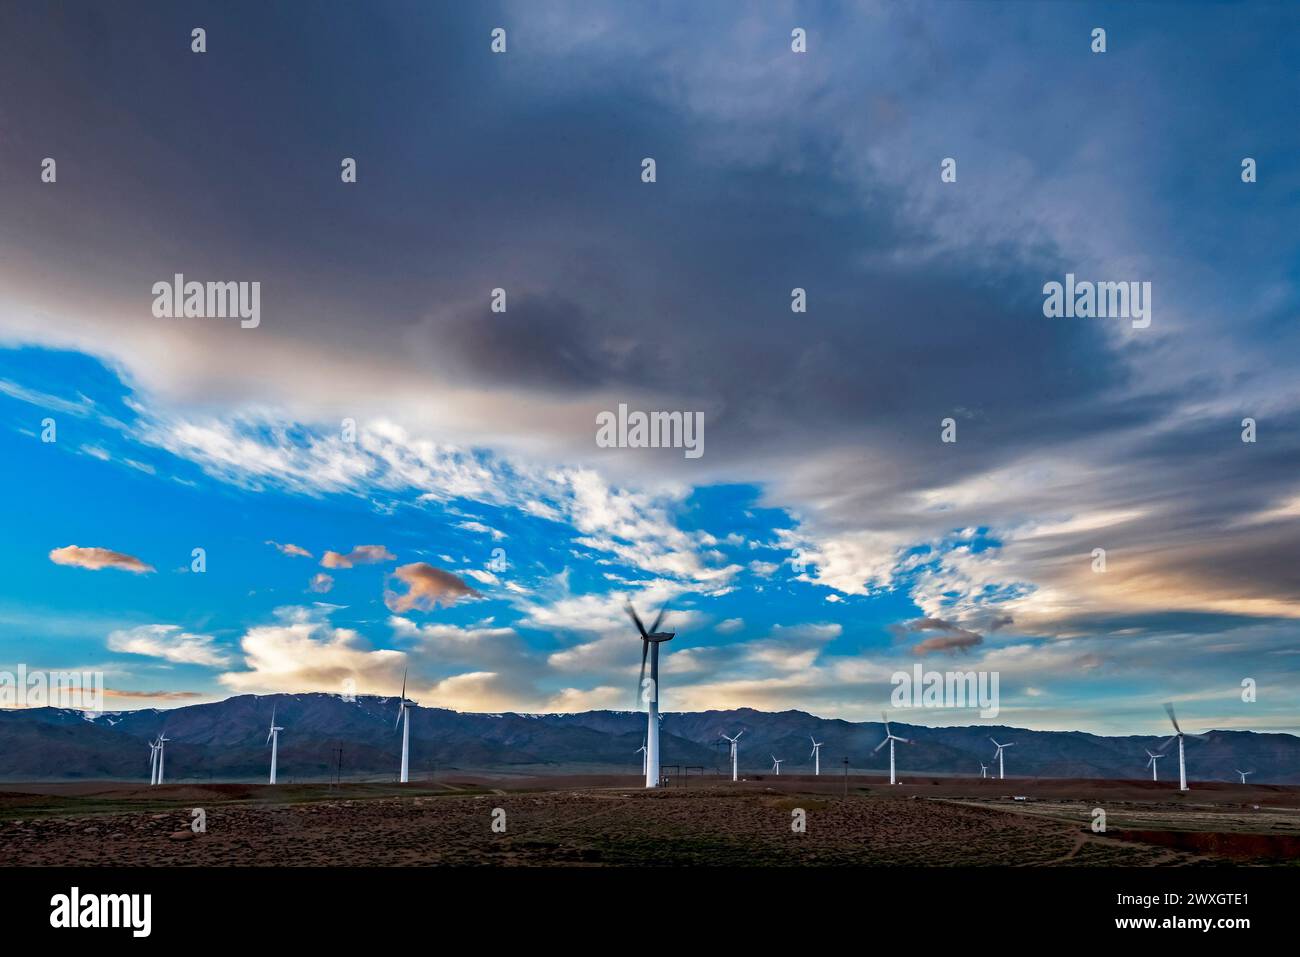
column 273, row 739
column 1243, row 775
column 890, row 738
column 641, row 751
column 1178, row 733
column 776, row 764
column 984, row 770
column 650, row 642
column 998, row 755
column 154, row 747
column 404, row 706
column 734, row 749
column 162, row 741
column 1151, row 763
column 816, row 755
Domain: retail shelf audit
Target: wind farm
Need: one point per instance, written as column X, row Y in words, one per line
column 440, row 779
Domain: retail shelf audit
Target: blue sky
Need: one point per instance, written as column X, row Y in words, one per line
column 827, row 537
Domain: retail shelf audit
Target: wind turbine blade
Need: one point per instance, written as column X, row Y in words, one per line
column 904, row 740
column 881, row 745
column 739, row 733
column 400, row 708
column 995, row 742
column 403, row 685
column 636, row 618
column 1168, row 741
column 645, row 650
column 1169, row 710
column 660, row 617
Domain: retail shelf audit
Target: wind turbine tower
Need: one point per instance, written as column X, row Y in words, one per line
column 776, row 764
column 998, row 755
column 735, row 748
column 649, row 693
column 816, row 755
column 1178, row 733
column 162, row 743
column 273, row 739
column 984, row 770
column 1152, row 758
column 890, row 738
column 404, row 708
column 154, row 747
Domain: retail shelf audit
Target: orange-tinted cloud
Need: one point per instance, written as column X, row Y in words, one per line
column 295, row 550
column 162, row 695
column 321, row 583
column 950, row 637
column 97, row 558
column 361, row 555
column 426, row 588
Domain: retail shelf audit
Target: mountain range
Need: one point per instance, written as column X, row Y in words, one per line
column 226, row 740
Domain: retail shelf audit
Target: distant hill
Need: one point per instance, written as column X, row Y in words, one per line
column 226, row 740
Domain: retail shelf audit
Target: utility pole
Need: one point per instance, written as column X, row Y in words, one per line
column 338, row 766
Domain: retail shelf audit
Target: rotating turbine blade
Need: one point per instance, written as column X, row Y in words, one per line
column 1168, row 741
column 1169, row 710
column 645, row 650
column 654, row 629
column 880, row 745
column 636, row 618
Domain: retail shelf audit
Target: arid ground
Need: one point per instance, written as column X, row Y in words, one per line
column 606, row 820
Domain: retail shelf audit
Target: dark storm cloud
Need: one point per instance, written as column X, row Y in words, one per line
column 522, row 172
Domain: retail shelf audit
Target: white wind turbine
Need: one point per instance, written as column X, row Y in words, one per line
column 404, row 707
column 273, row 739
column 1152, row 758
column 162, row 742
column 776, row 764
column 650, row 642
column 998, row 755
column 1178, row 733
column 642, row 751
column 890, row 738
column 984, row 770
column 816, row 754
column 154, row 748
column 1243, row 775
column 734, row 749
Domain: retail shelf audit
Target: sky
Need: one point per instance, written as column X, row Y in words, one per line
column 387, row 476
